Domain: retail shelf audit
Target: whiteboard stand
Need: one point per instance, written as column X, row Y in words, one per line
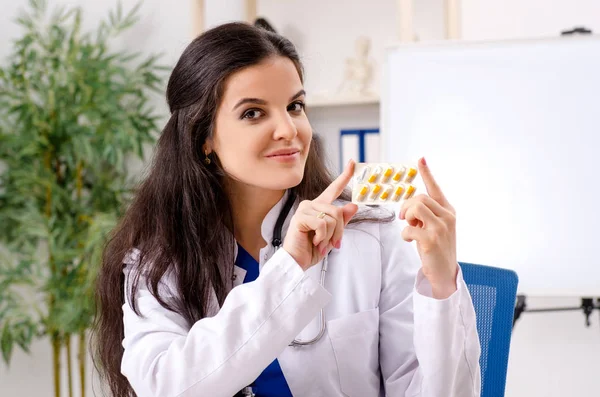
column 587, row 307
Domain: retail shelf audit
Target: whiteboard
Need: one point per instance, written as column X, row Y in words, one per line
column 511, row 131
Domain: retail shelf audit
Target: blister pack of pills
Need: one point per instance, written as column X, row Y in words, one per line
column 382, row 183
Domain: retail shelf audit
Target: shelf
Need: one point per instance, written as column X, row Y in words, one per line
column 329, row 102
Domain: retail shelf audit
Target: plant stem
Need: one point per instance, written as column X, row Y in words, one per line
column 48, row 208
column 56, row 362
column 79, row 179
column 69, row 365
column 82, row 358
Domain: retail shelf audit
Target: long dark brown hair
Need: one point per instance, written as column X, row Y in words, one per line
column 180, row 218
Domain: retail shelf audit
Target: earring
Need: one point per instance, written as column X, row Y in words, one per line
column 206, row 159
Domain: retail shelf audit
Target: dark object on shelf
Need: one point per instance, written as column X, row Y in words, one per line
column 575, row 31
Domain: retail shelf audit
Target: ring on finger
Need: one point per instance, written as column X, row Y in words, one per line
column 321, row 215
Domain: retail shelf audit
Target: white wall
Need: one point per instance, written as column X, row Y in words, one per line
column 552, row 354
column 223, row 11
column 491, row 20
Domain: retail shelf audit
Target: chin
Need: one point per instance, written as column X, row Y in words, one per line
column 284, row 180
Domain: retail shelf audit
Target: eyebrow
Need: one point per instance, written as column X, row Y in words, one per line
column 259, row 101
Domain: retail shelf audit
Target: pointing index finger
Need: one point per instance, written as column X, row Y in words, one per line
column 433, row 189
column 336, row 187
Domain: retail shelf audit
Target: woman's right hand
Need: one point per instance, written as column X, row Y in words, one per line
column 318, row 225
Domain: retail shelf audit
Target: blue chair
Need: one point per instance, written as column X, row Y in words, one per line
column 493, row 291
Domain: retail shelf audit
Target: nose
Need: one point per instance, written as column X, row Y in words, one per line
column 285, row 128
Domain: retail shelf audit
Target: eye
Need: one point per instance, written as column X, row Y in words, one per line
column 297, row 107
column 252, row 114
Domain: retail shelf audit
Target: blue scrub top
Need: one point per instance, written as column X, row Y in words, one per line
column 271, row 382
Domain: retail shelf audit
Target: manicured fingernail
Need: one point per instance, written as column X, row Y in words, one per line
column 324, row 251
column 423, row 161
column 338, row 244
column 321, row 248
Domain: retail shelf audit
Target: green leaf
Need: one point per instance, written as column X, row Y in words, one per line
column 134, row 11
column 6, row 343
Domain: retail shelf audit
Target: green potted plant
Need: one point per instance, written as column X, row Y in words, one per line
column 71, row 112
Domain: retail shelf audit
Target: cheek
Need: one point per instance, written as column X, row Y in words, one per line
column 304, row 131
column 239, row 149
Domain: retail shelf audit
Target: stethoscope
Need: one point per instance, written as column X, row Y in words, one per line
column 276, row 242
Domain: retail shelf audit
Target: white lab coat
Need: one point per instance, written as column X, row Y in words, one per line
column 385, row 334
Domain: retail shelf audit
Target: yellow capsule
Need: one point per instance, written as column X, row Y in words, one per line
column 363, row 192
column 398, row 175
column 410, row 191
column 410, row 175
column 398, row 193
column 375, row 175
column 375, row 192
column 388, row 173
column 386, row 193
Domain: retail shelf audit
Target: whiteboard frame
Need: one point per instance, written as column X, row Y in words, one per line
column 386, row 110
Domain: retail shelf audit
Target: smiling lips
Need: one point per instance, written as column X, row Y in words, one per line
column 284, row 155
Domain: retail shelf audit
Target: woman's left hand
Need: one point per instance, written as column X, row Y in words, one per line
column 432, row 224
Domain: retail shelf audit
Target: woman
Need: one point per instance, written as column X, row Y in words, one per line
column 195, row 300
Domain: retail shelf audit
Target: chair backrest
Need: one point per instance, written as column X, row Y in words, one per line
column 493, row 291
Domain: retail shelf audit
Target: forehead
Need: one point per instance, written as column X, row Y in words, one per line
column 272, row 79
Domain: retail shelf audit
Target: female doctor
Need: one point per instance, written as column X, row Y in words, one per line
column 241, row 268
